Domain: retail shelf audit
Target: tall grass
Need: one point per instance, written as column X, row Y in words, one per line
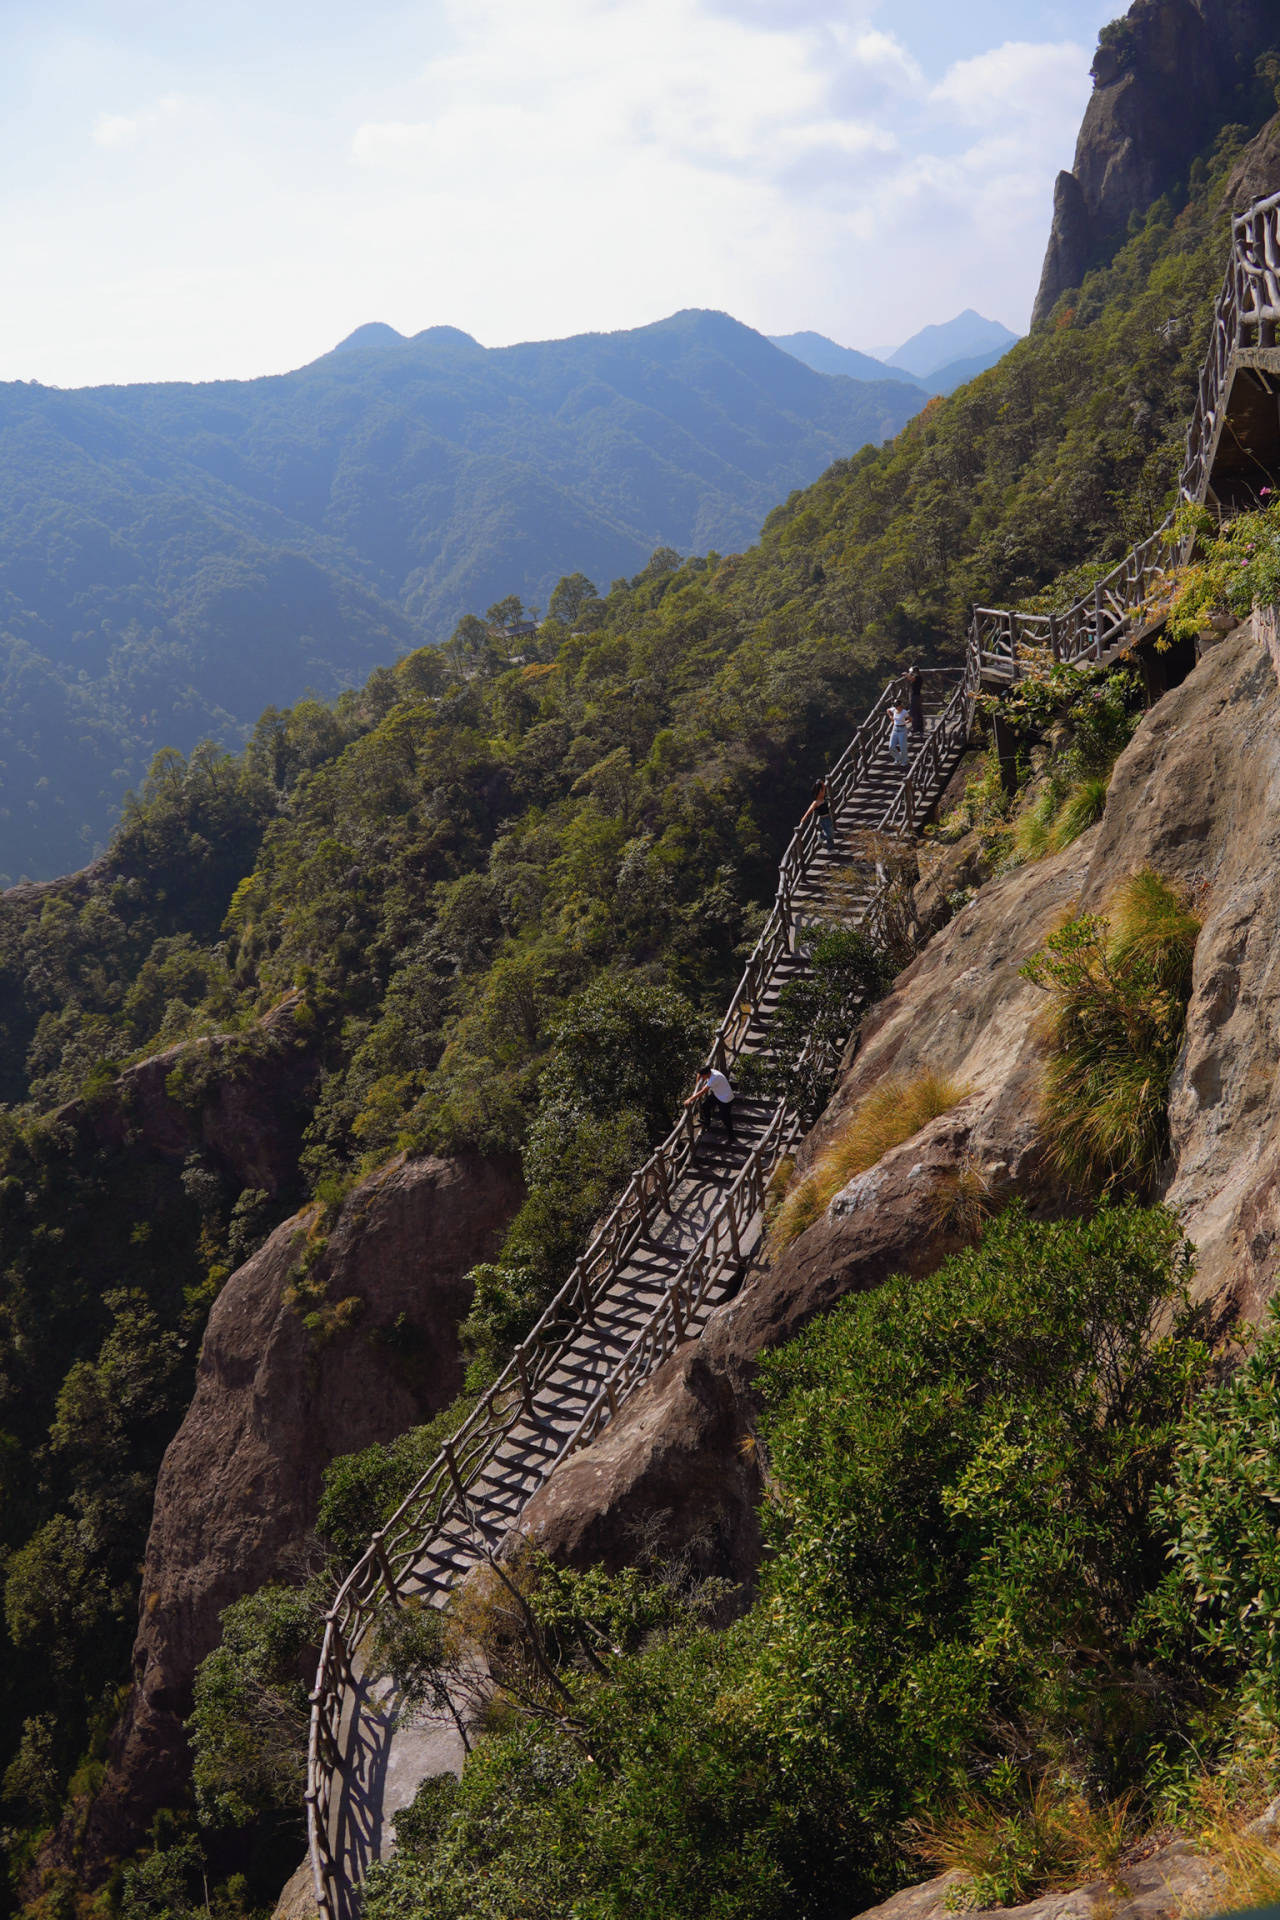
column 886, row 1117
column 1118, row 988
column 1050, row 1838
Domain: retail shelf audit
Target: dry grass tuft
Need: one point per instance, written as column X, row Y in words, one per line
column 1051, row 1842
column 1118, row 991
column 888, row 1115
column 963, row 1201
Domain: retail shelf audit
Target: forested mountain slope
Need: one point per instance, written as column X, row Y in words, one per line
column 496, row 905
column 174, row 558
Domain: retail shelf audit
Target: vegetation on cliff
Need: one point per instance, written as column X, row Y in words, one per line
column 967, row 1613
column 454, row 869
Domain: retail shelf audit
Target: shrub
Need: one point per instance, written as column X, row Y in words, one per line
column 1118, row 997
column 961, row 1472
column 1236, row 568
column 886, row 1117
column 248, row 1727
column 1223, row 1515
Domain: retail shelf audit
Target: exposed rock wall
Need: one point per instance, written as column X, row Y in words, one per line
column 274, row 1403
column 1164, row 81
column 238, row 1100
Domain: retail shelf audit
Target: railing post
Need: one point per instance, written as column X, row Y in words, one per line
column 380, row 1554
column 909, row 790
column 1097, row 622
column 1055, row 643
column 585, row 1294
column 450, row 1461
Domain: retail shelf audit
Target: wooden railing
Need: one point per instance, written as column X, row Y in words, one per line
column 441, row 1503
column 1246, row 315
column 1002, row 645
column 1005, row 644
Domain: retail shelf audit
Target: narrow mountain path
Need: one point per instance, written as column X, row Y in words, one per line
column 694, row 1222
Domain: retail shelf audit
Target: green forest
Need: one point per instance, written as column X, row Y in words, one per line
column 485, row 873
column 175, row 558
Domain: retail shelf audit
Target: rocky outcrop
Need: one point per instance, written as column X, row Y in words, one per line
column 274, row 1402
column 237, row 1100
column 1166, row 77
column 1168, row 1883
column 1196, row 795
column 1256, row 174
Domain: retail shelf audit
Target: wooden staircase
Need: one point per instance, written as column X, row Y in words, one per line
column 673, row 1248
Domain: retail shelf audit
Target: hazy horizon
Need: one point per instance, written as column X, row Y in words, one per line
column 198, row 196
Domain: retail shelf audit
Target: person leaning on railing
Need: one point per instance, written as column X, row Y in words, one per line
column 819, row 809
column 717, row 1097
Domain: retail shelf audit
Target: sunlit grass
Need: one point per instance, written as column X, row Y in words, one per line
column 886, row 1117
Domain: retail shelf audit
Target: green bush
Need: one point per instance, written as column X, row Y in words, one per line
column 1223, row 1515
column 248, row 1727
column 962, row 1472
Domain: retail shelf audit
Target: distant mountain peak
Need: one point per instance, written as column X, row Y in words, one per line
column 446, row 337
column 968, row 336
column 374, row 333
column 827, row 356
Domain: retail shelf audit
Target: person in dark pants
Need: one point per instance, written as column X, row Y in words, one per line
column 915, row 701
column 717, row 1096
column 819, row 809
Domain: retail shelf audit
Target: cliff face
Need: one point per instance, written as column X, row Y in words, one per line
column 1166, row 77
column 1196, row 795
column 274, row 1403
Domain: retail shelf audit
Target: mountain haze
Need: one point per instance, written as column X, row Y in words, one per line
column 937, row 348
column 827, row 356
column 975, row 343
column 175, row 557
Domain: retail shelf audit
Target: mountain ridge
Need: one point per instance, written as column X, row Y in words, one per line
column 175, row 557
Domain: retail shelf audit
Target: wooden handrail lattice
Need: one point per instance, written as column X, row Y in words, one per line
column 1002, row 644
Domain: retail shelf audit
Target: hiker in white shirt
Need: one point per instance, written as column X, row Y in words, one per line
column 899, row 721
column 716, row 1094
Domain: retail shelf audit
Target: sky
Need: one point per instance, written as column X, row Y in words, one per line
column 194, row 191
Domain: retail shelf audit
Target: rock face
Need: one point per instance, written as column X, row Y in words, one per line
column 274, row 1403
column 1196, row 795
column 239, row 1101
column 1166, row 77
column 1256, row 174
column 1169, row 1883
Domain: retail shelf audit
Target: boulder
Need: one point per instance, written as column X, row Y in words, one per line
column 1168, row 1883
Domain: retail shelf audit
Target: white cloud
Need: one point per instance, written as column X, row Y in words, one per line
column 526, row 171
column 1032, row 82
column 122, row 130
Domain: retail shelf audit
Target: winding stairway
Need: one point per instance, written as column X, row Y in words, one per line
column 678, row 1240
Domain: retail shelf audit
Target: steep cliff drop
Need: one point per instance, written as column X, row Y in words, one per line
column 1166, row 77
column 275, row 1401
